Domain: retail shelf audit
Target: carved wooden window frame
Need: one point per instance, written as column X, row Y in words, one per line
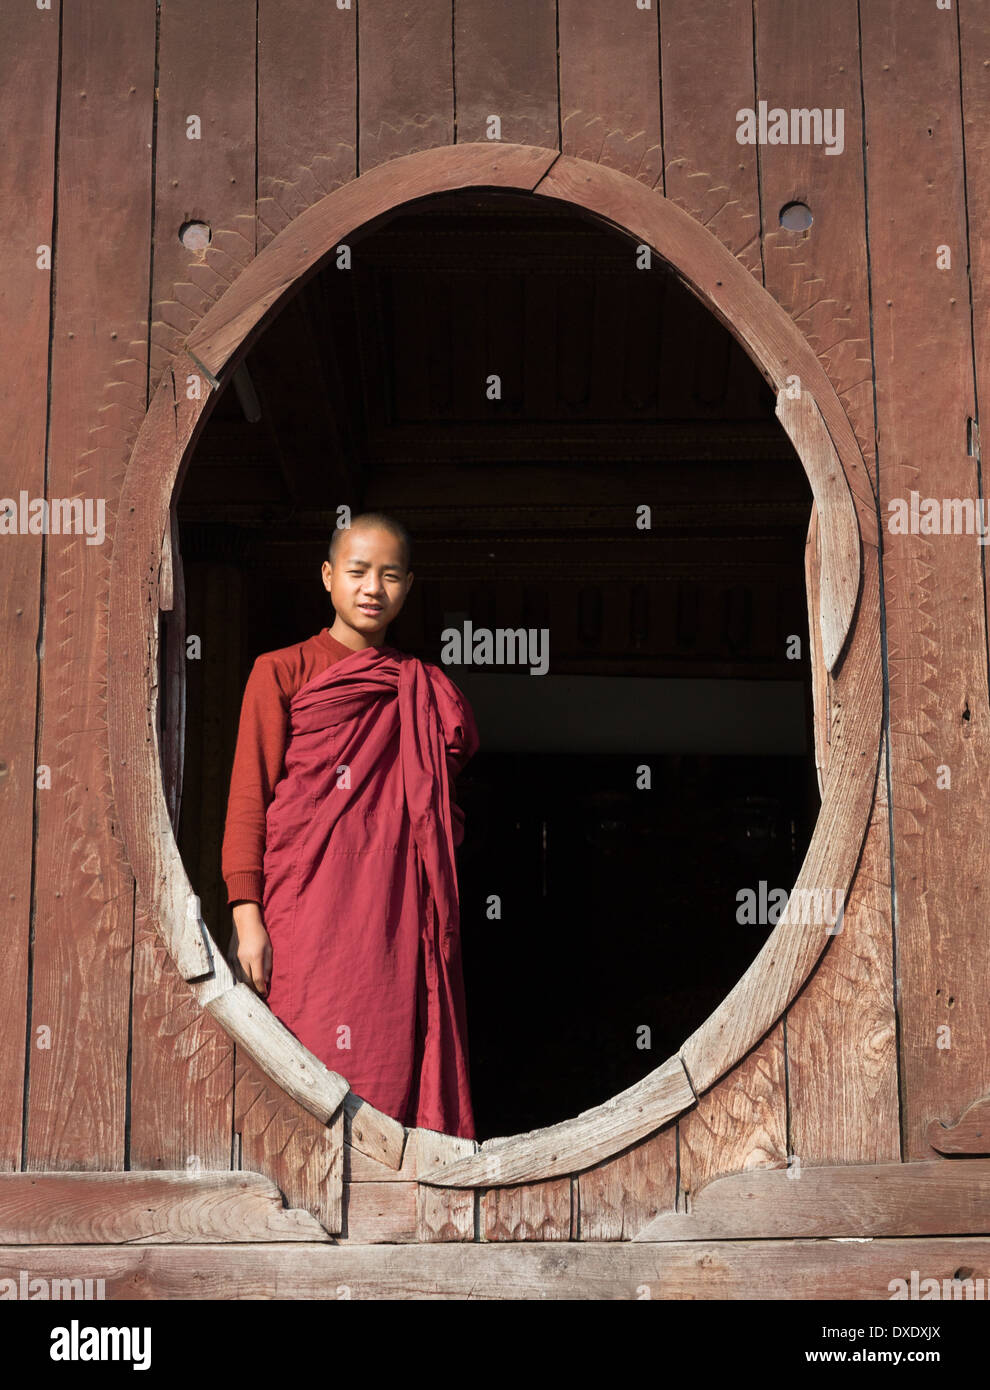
column 843, row 585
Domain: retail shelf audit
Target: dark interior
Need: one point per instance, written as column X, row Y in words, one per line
column 618, row 930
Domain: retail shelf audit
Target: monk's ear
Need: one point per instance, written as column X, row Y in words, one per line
column 327, row 573
column 409, row 579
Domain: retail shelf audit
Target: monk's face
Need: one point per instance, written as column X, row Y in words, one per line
column 368, row 580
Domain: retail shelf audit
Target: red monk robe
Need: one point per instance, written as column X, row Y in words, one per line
column 360, row 890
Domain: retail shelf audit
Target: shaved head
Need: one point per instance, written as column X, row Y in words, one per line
column 367, row 521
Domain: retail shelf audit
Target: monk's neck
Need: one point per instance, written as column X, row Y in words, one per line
column 357, row 641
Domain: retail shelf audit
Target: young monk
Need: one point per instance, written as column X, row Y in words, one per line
column 338, row 852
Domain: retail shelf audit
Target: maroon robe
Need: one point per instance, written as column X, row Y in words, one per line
column 361, row 900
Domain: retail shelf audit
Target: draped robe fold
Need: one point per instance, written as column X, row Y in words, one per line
column 361, row 900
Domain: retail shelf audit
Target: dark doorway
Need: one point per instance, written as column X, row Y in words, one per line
column 621, row 802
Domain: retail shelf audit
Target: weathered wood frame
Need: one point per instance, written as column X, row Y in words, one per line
column 847, row 521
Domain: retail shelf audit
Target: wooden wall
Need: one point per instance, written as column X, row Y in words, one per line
column 106, row 1062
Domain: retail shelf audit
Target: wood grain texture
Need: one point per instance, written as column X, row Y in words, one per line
column 936, row 610
column 360, row 1167
column 406, row 79
column 741, row 1269
column 207, row 58
column 372, row 1134
column 740, row 1123
column 973, row 1128
column 974, row 41
column 280, row 1139
column 533, row 1211
column 842, row 1028
column 379, row 1213
column 505, row 65
column 422, row 1149
column 182, row 1066
column 605, row 119
column 841, row 565
column 970, row 1134
column 84, row 897
column 28, row 92
column 707, row 68
column 442, row 1213
column 147, row 1209
column 807, row 57
column 617, row 1198
column 307, row 107
column 934, row 1198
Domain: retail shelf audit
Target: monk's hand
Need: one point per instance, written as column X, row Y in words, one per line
column 254, row 948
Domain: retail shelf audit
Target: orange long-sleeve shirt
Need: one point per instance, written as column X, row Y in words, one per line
column 260, row 753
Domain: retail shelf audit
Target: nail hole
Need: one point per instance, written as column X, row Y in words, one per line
column 195, row 235
column 796, row 217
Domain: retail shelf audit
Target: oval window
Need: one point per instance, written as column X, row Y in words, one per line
column 585, row 456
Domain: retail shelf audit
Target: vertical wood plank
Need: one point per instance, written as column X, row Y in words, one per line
column 207, row 71
column 807, row 57
column 182, row 1071
column 406, row 88
column 619, row 1197
column 28, row 95
column 289, row 1145
column 307, row 107
column 442, row 1213
column 505, row 64
column 610, row 87
column 842, row 1067
column 707, row 71
column 974, row 37
column 841, row 1030
column 84, row 893
column 740, row 1123
column 936, row 612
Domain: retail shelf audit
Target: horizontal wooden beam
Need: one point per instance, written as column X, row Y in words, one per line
column 933, row 1198
column 141, row 1208
column 780, row 1269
